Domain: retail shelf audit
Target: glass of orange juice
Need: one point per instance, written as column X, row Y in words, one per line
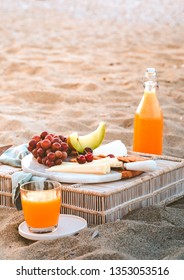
column 41, row 201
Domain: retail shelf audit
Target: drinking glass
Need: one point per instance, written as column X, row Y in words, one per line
column 41, row 202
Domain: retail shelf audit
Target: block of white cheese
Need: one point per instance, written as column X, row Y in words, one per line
column 101, row 166
column 117, row 148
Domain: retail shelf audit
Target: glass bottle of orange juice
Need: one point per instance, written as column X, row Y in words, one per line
column 148, row 120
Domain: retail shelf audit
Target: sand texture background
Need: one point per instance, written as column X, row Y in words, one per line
column 67, row 65
column 146, row 234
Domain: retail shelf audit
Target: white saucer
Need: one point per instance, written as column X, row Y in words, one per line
column 68, row 225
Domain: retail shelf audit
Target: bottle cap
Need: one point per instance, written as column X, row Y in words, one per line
column 150, row 75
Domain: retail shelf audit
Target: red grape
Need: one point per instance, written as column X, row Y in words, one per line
column 89, row 157
column 64, row 146
column 81, row 159
column 56, row 146
column 32, row 143
column 39, row 159
column 111, row 156
column 40, row 152
column 56, row 139
column 58, row 161
column 44, row 159
column 30, row 148
column 36, row 138
column 88, row 150
column 63, row 138
column 43, row 134
column 49, row 163
column 46, row 143
column 38, row 144
column 49, row 137
column 51, row 156
column 58, row 154
column 34, row 152
column 64, row 155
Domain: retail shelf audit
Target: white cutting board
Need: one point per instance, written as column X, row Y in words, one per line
column 30, row 165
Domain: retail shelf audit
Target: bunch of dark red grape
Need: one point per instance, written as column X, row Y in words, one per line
column 49, row 149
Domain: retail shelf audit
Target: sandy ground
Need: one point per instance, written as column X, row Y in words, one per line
column 149, row 233
column 66, row 66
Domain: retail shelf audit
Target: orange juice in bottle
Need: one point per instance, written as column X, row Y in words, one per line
column 148, row 121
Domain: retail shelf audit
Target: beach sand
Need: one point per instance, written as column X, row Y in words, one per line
column 145, row 234
column 66, row 66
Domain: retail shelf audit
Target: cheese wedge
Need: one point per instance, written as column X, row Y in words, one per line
column 86, row 168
